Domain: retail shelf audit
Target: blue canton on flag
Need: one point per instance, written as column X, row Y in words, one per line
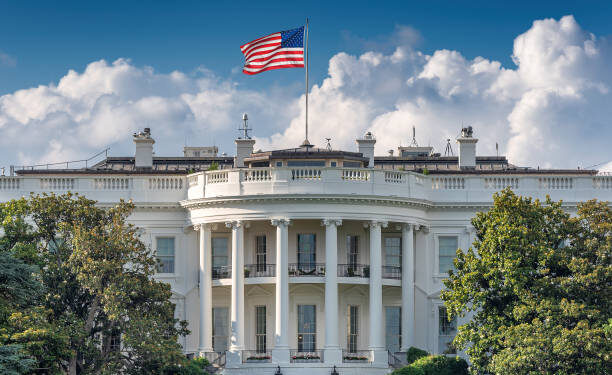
column 284, row 49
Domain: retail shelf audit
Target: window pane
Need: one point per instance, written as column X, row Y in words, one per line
column 260, row 253
column 447, row 250
column 306, row 249
column 446, row 332
column 352, row 246
column 260, row 328
column 220, row 251
column 220, row 328
column 165, row 254
column 307, row 328
column 393, row 323
column 393, row 251
column 353, row 328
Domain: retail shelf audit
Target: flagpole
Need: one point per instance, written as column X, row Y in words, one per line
column 306, row 143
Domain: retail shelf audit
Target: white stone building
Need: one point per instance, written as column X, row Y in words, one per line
column 340, row 255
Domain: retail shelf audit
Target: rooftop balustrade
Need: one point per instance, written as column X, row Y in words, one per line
column 321, row 181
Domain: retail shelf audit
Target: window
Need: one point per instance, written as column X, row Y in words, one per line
column 306, row 252
column 220, row 328
column 447, row 250
column 306, row 163
column 393, row 251
column 260, row 329
column 446, row 332
column 352, row 251
column 393, row 328
column 260, row 253
column 219, row 252
column 307, row 328
column 115, row 341
column 351, row 164
column 279, row 163
column 333, row 163
column 353, row 328
column 165, row 254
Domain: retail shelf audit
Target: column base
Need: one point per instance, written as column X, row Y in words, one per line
column 233, row 358
column 380, row 357
column 332, row 355
column 280, row 356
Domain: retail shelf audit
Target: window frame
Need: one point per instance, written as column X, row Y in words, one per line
column 436, row 252
column 438, row 307
column 352, row 338
column 160, row 258
column 228, row 255
column 353, row 258
column 399, row 333
column 227, row 330
column 300, row 345
column 261, row 337
column 384, row 246
column 313, row 251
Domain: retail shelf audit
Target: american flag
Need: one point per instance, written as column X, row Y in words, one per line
column 275, row 51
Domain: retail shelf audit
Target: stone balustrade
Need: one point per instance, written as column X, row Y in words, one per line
column 435, row 188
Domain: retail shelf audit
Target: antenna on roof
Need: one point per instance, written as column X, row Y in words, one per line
column 245, row 127
column 414, row 142
column 328, row 144
column 496, row 148
column 449, row 150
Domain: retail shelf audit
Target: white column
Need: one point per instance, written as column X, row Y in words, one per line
column 377, row 342
column 237, row 298
column 333, row 351
column 205, row 343
column 407, row 287
column 280, row 353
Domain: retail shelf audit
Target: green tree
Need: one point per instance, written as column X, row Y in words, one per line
column 539, row 286
column 98, row 287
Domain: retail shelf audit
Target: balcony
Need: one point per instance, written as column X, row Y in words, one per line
column 392, row 272
column 315, row 356
column 260, row 270
column 353, row 270
column 307, row 269
column 477, row 187
column 221, row 272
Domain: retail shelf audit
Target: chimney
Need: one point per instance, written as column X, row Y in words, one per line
column 366, row 147
column 467, row 149
column 244, row 149
column 144, row 149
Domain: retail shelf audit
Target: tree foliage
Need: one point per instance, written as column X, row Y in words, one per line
column 539, row 286
column 91, row 282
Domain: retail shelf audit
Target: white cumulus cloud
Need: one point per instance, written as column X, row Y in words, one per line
column 552, row 109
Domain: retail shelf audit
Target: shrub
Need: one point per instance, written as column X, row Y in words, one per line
column 441, row 365
column 415, row 353
column 408, row 370
column 195, row 366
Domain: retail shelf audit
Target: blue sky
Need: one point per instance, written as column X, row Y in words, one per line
column 46, row 38
column 434, row 65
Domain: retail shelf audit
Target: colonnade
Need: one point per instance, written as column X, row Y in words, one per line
column 332, row 347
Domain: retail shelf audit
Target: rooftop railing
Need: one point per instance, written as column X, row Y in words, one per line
column 435, row 188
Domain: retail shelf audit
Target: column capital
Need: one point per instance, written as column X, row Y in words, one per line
column 469, row 229
column 280, row 222
column 375, row 223
column 335, row 222
column 422, row 228
column 234, row 224
column 201, row 226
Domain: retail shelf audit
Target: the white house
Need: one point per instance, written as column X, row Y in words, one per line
column 308, row 258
